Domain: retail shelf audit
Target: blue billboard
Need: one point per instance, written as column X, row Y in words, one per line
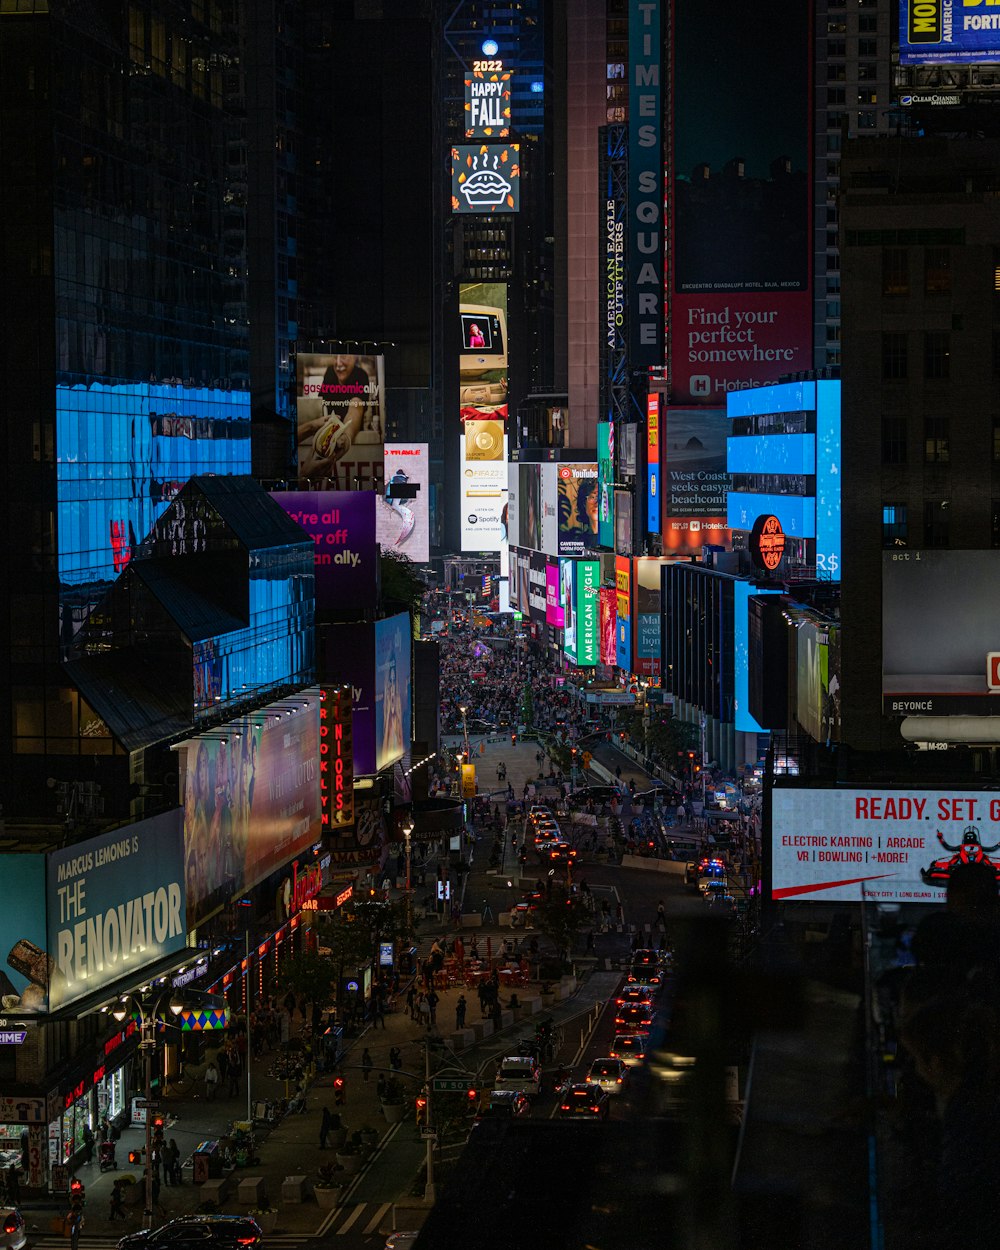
column 605, row 485
column 24, row 978
column 947, row 32
column 829, row 476
column 115, row 905
column 645, row 184
column 742, row 590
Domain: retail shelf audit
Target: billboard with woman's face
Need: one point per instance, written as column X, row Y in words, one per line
column 577, row 508
column 393, row 705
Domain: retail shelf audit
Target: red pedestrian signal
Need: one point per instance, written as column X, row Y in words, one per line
column 421, row 1108
column 473, row 1095
column 339, row 1091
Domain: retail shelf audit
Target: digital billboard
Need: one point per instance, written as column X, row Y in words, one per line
column 524, row 583
column 647, row 629
column 587, row 622
column 487, row 101
column 890, row 846
column 653, row 505
column 402, row 521
column 548, row 492
column 613, row 292
column 947, row 32
column 336, row 758
column 645, row 182
column 607, row 625
column 623, row 522
column 554, row 615
column 741, row 311
column 482, row 350
column 605, row 485
column 393, row 710
column 27, row 954
column 576, row 503
column 939, row 626
column 537, row 588
column 340, row 419
column 485, row 178
column 251, row 800
column 743, row 718
column 623, row 612
column 483, row 486
column 696, row 480
column 342, row 525
column 567, row 596
column 115, row 904
column 529, row 506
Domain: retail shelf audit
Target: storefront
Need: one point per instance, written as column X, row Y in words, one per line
column 22, row 1137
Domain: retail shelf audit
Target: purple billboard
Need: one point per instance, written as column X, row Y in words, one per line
column 341, row 524
column 553, row 600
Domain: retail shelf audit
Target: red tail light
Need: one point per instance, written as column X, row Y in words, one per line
column 11, row 1225
column 246, row 1241
column 619, row 1080
column 564, row 1107
column 595, row 1108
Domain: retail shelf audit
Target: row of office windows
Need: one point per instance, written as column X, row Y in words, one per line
column 937, row 440
column 899, row 524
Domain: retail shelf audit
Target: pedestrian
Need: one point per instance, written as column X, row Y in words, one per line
column 661, row 916
column 235, row 1068
column 211, row 1080
column 381, row 1086
column 590, row 940
column 424, row 1010
column 411, row 1000
column 117, row 1208
column 75, row 1226
column 460, row 1007
column 13, row 1185
column 88, row 1144
column 176, row 1174
column 432, row 1002
column 157, row 1205
column 395, row 1058
column 325, row 1125
column 378, row 1012
column 366, row 1064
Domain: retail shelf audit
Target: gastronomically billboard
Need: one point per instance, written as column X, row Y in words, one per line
column 567, row 595
column 340, row 419
column 26, row 952
column 336, row 758
column 587, row 601
column 741, row 313
column 402, row 520
column 947, row 32
column 486, row 178
column 576, row 503
column 341, row 524
column 939, row 628
column 115, row 904
column 623, row 612
column 487, row 100
column 653, row 504
column 483, row 486
column 696, row 481
column 887, row 845
column 645, row 183
column 605, row 485
column 554, row 614
column 607, row 623
column 393, row 710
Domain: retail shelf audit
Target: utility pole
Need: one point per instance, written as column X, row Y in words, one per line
column 429, row 1135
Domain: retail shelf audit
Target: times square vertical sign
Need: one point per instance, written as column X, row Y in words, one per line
column 645, row 184
column 336, row 759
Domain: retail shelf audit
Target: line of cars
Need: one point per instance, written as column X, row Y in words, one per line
column 543, row 829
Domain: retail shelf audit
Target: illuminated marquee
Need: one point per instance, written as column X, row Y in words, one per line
column 767, row 542
column 336, row 770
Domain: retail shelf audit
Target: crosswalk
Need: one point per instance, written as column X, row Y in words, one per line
column 357, row 1217
column 275, row 1241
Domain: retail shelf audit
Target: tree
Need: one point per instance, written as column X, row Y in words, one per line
column 311, row 975
column 561, row 917
column 527, row 708
column 403, row 588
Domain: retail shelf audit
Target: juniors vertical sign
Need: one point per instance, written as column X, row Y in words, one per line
column 336, row 758
column 645, row 184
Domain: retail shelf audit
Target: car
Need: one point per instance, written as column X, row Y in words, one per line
column 539, row 811
column 633, row 1017
column 520, row 1073
column 610, row 1074
column 635, row 992
column 646, row 968
column 505, row 1104
column 560, row 852
column 584, row 1100
column 547, row 831
column 191, row 1232
column 630, row 1048
column 401, row 1240
column 15, row 1236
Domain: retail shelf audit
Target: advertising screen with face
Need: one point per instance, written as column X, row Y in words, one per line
column 577, row 506
column 340, row 419
column 401, row 523
column 393, row 710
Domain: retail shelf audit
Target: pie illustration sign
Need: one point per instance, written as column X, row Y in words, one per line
column 486, row 178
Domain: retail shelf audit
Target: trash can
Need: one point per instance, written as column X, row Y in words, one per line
column 206, row 1162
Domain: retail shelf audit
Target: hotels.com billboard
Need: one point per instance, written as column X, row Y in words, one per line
column 742, row 306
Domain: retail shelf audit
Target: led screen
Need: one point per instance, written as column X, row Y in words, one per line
column 486, row 178
column 401, row 522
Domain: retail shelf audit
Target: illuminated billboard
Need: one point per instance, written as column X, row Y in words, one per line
column 537, row 587
column 487, row 101
column 607, row 624
column 587, row 612
column 947, row 32
column 696, row 481
column 529, row 506
column 885, row 845
column 251, row 800
column 482, row 350
column 741, row 311
column 393, row 689
column 653, row 490
column 336, row 758
column 373, row 662
column 483, row 485
column 576, row 504
column 817, row 678
column 340, row 419
column 646, row 632
column 939, row 629
column 402, row 521
column 554, row 614
column 341, row 524
column 623, row 612
column 605, row 485
column 485, row 178
column 645, row 182
column 567, row 596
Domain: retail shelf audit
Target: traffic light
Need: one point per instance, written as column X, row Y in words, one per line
column 421, row 1108
column 513, row 740
column 339, row 1091
column 473, row 1096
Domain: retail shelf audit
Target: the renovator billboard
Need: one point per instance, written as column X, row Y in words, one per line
column 890, row 846
column 742, row 312
column 948, row 32
column 115, row 904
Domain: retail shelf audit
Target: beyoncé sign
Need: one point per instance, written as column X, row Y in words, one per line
column 336, row 766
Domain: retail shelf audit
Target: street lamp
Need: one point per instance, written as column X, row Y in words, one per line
column 147, row 1021
column 465, row 735
column 407, row 842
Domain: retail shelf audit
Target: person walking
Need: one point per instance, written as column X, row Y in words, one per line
column 460, row 1008
column 211, row 1080
column 424, row 1010
column 325, row 1125
column 176, row 1173
column 366, row 1064
column 75, row 1221
column 117, row 1207
column 661, row 916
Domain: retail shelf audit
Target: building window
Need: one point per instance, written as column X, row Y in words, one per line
column 937, row 271
column 893, row 356
column 895, row 271
column 836, row 95
column 936, row 440
column 936, row 513
column 894, row 527
column 867, row 23
column 867, row 47
column 996, row 438
column 867, row 119
column 868, row 71
column 836, row 47
column 937, row 355
column 894, row 440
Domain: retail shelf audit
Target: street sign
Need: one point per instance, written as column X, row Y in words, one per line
column 446, row 1084
column 12, row 1037
column 428, row 1134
